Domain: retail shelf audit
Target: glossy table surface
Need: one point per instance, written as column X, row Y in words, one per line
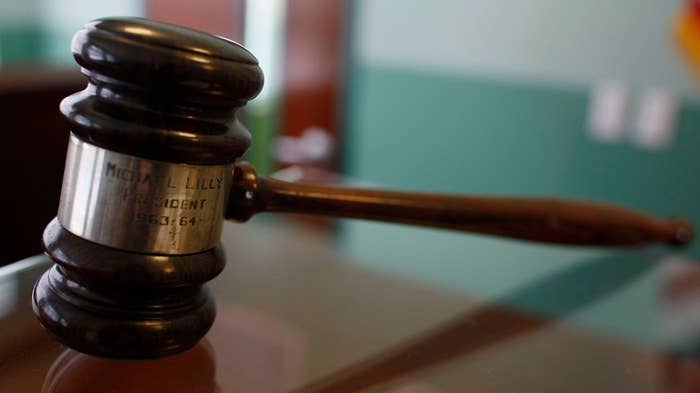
column 293, row 308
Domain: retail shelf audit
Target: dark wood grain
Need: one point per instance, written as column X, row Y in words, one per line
column 109, row 302
column 301, row 284
column 161, row 92
column 465, row 334
column 153, row 324
column 544, row 220
column 191, row 371
column 488, row 325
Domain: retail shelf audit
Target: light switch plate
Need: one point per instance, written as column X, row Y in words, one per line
column 656, row 118
column 607, row 111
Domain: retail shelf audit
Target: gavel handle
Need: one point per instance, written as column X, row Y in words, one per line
column 542, row 220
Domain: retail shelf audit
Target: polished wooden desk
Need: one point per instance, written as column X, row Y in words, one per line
column 293, row 309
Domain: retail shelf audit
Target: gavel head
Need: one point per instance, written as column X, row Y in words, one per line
column 154, row 137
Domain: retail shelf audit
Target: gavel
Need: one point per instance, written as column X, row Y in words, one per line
column 154, row 166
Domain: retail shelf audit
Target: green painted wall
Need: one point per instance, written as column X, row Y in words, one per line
column 40, row 31
column 453, row 133
column 20, row 44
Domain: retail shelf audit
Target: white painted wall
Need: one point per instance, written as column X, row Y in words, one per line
column 17, row 12
column 73, row 14
column 547, row 40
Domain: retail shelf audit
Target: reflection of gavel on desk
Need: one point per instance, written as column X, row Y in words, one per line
column 153, row 169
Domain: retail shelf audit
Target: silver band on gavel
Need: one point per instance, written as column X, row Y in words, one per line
column 142, row 205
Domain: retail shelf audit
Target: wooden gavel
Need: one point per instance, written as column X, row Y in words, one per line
column 153, row 169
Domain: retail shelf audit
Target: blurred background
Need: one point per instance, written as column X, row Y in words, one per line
column 591, row 100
